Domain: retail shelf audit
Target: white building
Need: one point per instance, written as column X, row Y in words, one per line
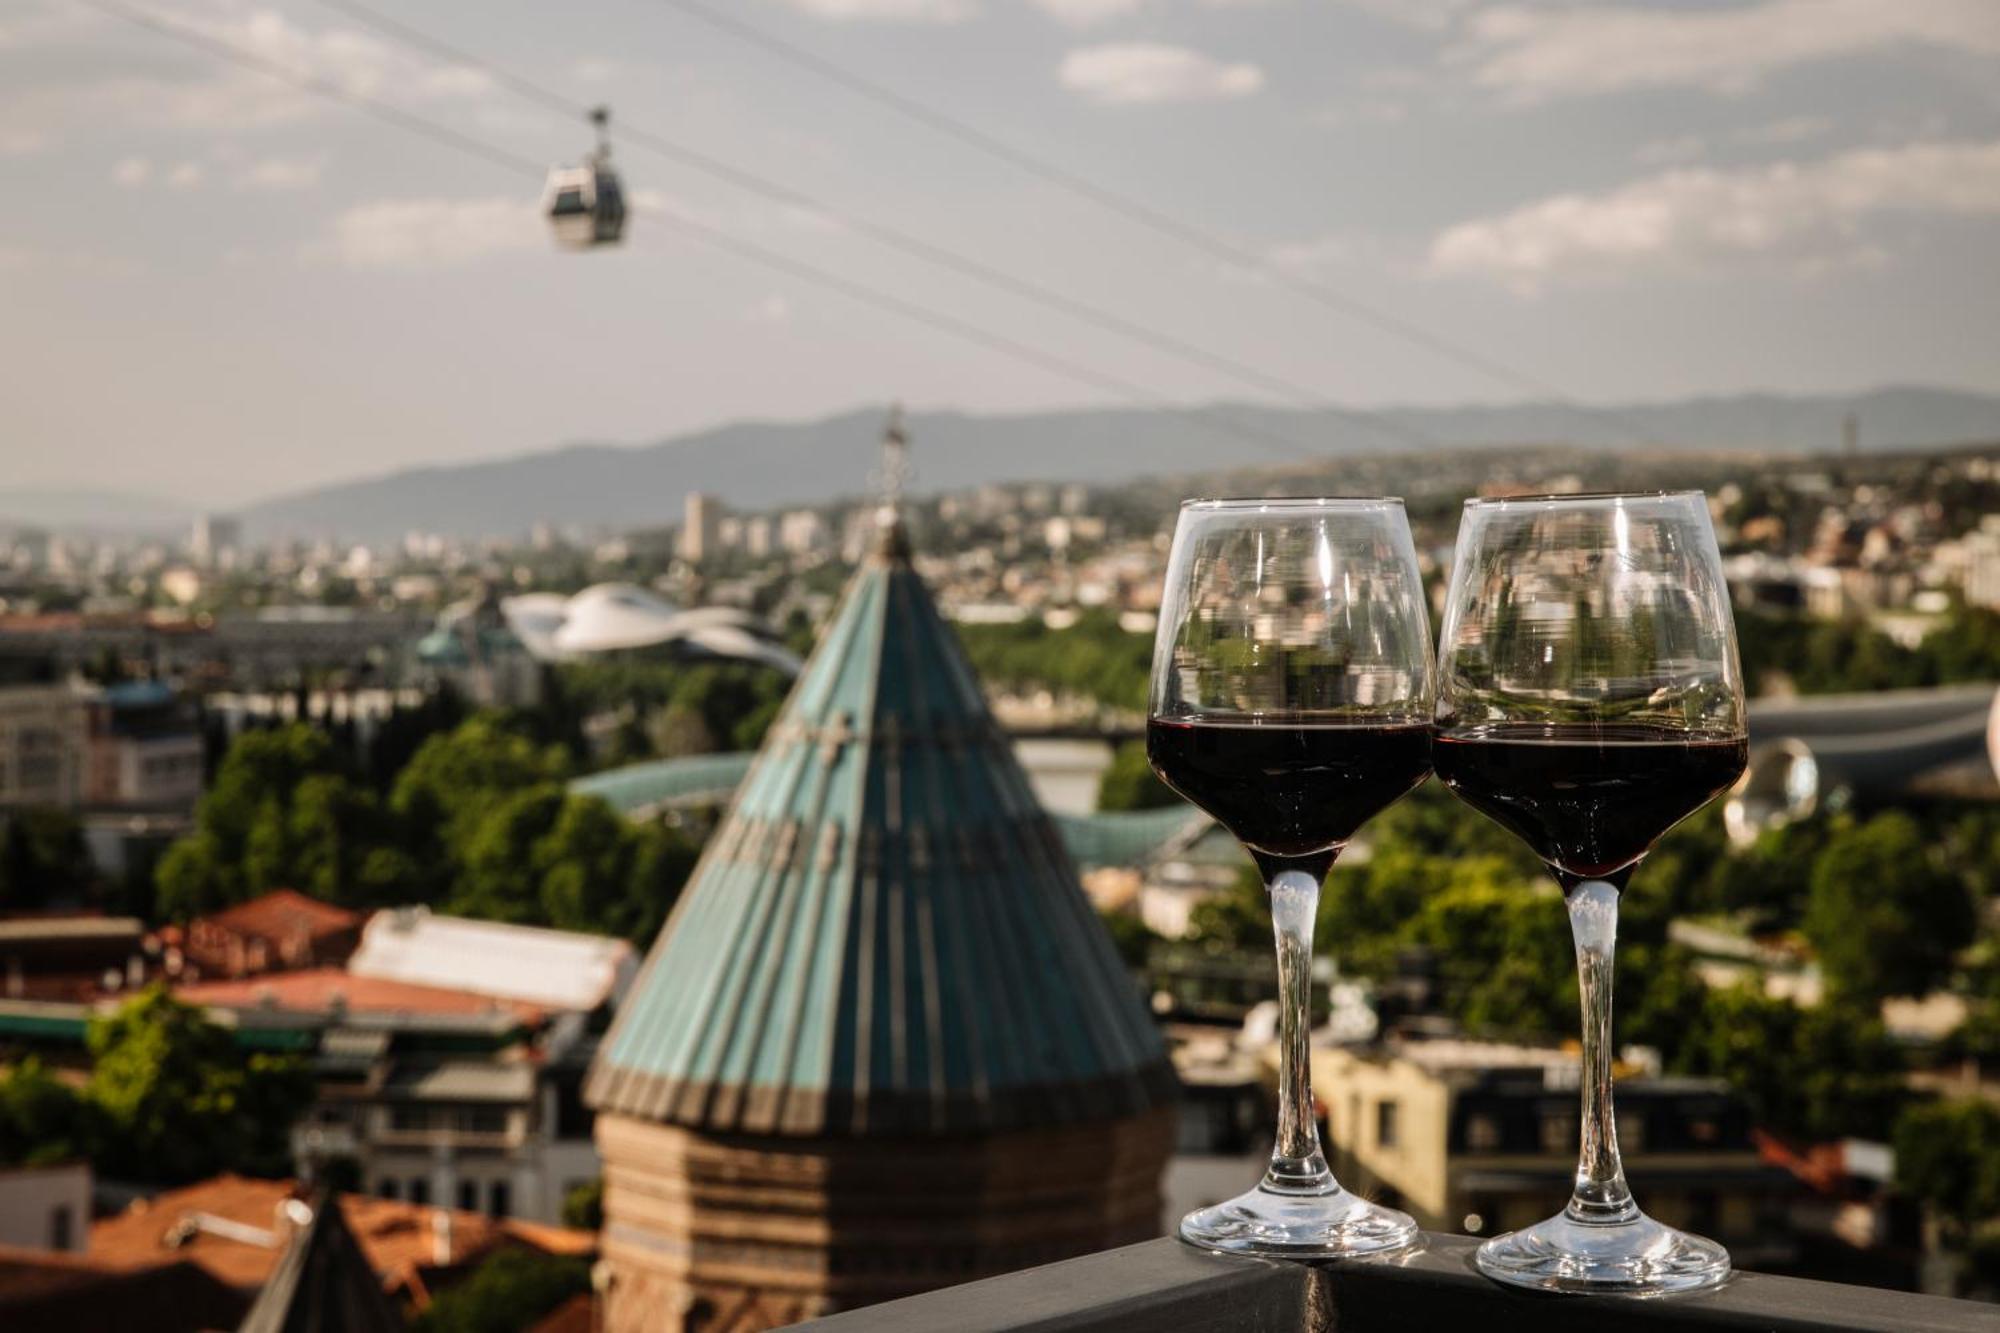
column 46, row 1207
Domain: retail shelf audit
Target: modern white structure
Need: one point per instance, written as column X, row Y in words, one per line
column 557, row 970
column 623, row 617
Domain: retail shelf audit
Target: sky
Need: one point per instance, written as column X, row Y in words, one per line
column 215, row 287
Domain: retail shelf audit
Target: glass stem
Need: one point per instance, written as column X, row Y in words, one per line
column 1297, row 1164
column 1601, row 1195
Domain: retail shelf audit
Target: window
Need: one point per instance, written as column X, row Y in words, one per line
column 1558, row 1131
column 1632, row 1133
column 501, row 1199
column 420, row 1190
column 62, row 1227
column 468, row 1195
column 1482, row 1134
column 1385, row 1124
column 386, row 1188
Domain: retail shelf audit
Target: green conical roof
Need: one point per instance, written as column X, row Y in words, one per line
column 885, row 936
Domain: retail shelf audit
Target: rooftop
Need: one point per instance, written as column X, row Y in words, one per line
column 327, row 990
column 285, row 913
column 554, row 969
column 886, row 935
column 397, row 1238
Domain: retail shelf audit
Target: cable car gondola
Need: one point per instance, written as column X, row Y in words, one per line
column 586, row 203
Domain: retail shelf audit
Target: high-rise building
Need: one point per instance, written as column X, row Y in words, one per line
column 701, row 527
column 884, row 1044
column 215, row 538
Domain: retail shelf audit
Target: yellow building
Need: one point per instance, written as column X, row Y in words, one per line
column 1482, row 1136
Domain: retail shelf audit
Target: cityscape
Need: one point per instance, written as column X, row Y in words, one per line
column 543, row 795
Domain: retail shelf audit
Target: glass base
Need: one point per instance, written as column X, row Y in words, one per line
column 1332, row 1225
column 1640, row 1255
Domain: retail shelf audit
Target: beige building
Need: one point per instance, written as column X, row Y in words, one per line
column 1481, row 1137
column 44, row 745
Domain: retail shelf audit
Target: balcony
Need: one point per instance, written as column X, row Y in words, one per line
column 1163, row 1286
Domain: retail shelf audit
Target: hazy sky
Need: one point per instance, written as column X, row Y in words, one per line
column 216, row 287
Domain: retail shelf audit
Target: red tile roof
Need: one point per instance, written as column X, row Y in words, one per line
column 316, row 990
column 44, row 1292
column 284, row 913
column 396, row 1237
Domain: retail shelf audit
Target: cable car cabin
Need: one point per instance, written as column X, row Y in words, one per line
column 586, row 205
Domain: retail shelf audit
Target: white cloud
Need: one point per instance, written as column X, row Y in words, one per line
column 889, row 11
column 194, row 91
column 1141, row 73
column 1792, row 129
column 1671, row 151
column 131, row 172
column 773, row 309
column 1541, row 54
column 19, row 141
column 184, row 176
column 1087, row 13
column 1801, row 216
column 281, row 173
column 430, row 233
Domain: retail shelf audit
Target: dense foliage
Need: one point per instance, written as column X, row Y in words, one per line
column 478, row 823
column 1444, row 886
column 170, row 1099
column 1092, row 659
column 510, row 1290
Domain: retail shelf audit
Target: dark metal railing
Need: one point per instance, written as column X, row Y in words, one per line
column 1163, row 1286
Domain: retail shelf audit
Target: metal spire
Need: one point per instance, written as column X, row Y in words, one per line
column 892, row 540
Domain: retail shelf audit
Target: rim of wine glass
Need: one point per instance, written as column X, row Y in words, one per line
column 1290, row 501
column 1580, row 497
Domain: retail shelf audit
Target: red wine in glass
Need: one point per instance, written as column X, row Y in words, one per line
column 1293, row 793
column 1589, row 800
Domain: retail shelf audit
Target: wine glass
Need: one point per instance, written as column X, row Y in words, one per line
column 1589, row 699
column 1291, row 700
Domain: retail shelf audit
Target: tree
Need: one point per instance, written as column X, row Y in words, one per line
column 1813, row 1074
column 583, row 1206
column 456, row 779
column 1131, row 936
column 1130, row 783
column 508, row 1291
column 43, row 859
column 42, row 1119
column 180, row 1102
column 1948, row 1155
column 281, row 814
column 1885, row 916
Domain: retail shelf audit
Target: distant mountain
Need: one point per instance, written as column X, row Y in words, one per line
column 755, row 465
column 71, row 510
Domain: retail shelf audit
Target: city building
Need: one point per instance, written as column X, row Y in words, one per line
column 145, row 750
column 46, row 1207
column 215, row 540
column 44, row 745
column 1481, row 1137
column 429, row 1094
column 883, row 1044
column 279, row 930
column 701, row 523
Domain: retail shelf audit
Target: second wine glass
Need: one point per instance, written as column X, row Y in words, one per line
column 1589, row 699
column 1291, row 700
